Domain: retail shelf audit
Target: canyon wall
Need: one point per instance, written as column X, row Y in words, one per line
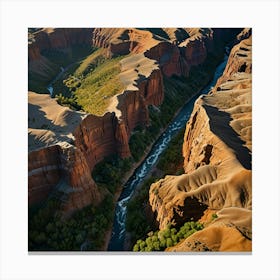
column 93, row 138
column 57, row 39
column 61, row 169
column 218, row 173
column 176, row 52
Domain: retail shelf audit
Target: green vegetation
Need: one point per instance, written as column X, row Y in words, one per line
column 109, row 173
column 47, row 231
column 160, row 240
column 91, row 62
column 99, row 85
column 140, row 139
column 214, row 216
column 172, row 160
column 95, row 75
column 91, row 82
column 70, row 102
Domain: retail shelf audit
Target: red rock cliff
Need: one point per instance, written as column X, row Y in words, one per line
column 43, row 173
column 62, row 169
column 57, row 38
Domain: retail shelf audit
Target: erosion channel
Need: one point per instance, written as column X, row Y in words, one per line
column 119, row 229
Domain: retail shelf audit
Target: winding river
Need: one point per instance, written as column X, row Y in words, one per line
column 119, row 230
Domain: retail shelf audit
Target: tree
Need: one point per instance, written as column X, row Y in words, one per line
column 169, row 242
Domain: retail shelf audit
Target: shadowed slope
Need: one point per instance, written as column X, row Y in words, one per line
column 220, row 125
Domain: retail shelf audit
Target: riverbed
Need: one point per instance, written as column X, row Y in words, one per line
column 119, row 229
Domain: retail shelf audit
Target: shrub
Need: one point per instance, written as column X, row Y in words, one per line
column 214, row 216
column 170, row 236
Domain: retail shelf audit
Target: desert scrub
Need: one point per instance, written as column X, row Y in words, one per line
column 162, row 239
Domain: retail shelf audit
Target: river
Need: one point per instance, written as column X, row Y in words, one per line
column 119, row 230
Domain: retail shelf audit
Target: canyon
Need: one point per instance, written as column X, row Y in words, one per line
column 216, row 188
column 65, row 145
column 95, row 137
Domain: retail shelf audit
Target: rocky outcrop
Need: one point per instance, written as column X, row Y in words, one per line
column 217, row 152
column 98, row 137
column 62, row 170
column 44, row 173
column 240, row 60
column 121, row 41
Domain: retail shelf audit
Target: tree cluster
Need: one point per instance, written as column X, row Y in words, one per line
column 170, row 236
column 47, row 231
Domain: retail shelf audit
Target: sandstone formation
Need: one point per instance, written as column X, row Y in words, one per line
column 68, row 144
column 54, row 163
column 218, row 173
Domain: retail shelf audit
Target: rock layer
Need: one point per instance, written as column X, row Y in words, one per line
column 217, row 152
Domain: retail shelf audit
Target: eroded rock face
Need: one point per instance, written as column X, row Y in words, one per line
column 62, row 170
column 240, row 60
column 57, row 38
column 43, row 173
column 217, row 152
column 98, row 137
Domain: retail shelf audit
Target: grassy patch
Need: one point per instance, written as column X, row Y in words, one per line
column 99, row 86
column 90, row 62
column 91, row 82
